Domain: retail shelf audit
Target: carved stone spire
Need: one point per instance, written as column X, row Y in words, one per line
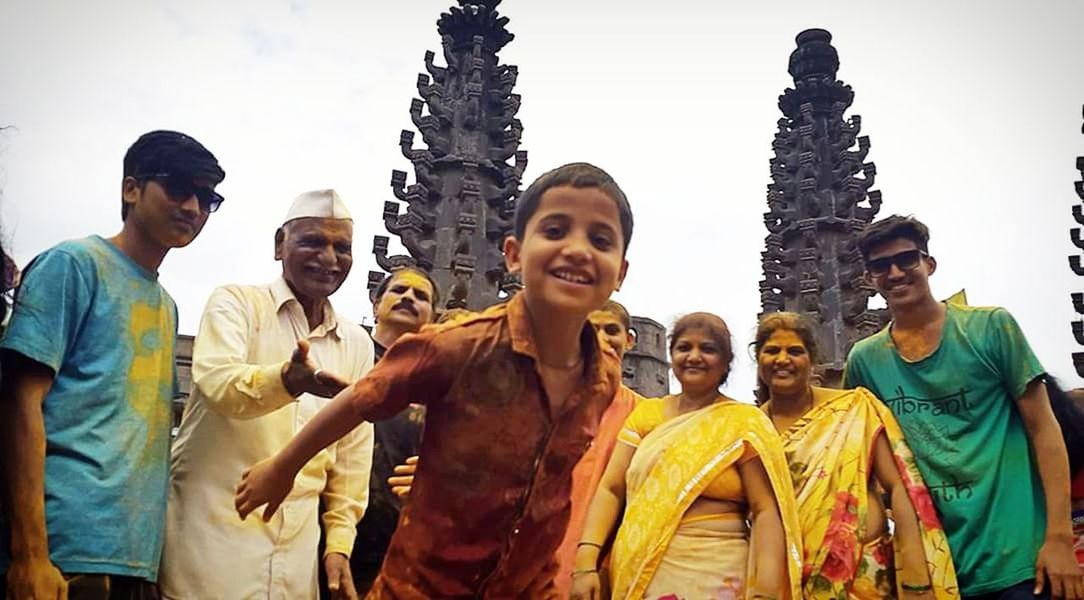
column 460, row 207
column 1076, row 265
column 818, row 201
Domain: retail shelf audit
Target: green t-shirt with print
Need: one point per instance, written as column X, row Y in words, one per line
column 957, row 409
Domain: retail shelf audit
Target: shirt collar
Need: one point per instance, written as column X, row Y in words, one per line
column 282, row 295
column 523, row 342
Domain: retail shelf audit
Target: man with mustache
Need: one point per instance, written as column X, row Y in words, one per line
column 402, row 303
column 88, row 377
column 968, row 393
column 265, row 360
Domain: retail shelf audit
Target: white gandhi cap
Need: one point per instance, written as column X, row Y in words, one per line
column 322, row 204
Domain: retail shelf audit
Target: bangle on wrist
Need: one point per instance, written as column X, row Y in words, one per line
column 583, row 571
column 599, row 546
column 917, row 589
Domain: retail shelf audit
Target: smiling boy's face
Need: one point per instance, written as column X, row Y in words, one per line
column 571, row 257
column 612, row 331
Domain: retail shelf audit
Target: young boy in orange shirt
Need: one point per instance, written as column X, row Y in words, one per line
column 514, row 397
column 614, row 327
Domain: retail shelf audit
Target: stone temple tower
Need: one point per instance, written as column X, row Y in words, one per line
column 819, row 199
column 467, row 177
column 1077, row 266
column 645, row 367
column 459, row 209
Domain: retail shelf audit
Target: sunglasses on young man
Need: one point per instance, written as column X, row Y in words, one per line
column 180, row 188
column 907, row 260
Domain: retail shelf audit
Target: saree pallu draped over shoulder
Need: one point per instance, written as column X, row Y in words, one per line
column 686, row 454
column 830, row 452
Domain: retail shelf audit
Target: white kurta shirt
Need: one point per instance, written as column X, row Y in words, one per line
column 239, row 413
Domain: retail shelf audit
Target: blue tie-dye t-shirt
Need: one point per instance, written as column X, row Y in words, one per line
column 106, row 328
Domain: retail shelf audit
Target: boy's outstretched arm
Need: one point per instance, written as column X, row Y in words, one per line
column 270, row 480
column 412, row 370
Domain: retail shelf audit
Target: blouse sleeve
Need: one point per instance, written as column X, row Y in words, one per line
column 646, row 416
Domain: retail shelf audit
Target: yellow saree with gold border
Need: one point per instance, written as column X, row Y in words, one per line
column 830, row 452
column 693, row 450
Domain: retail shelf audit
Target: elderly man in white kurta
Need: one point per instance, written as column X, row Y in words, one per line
column 265, row 360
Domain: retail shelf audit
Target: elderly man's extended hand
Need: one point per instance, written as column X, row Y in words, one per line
column 301, row 375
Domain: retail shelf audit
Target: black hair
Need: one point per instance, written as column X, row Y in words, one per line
column 170, row 152
column 1068, row 408
column 618, row 310
column 378, row 291
column 577, row 175
column 891, row 228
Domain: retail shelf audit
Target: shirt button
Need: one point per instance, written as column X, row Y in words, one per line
column 515, row 531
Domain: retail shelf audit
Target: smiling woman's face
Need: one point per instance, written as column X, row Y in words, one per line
column 784, row 364
column 699, row 363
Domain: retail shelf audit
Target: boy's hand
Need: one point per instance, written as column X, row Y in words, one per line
column 1057, row 562
column 339, row 580
column 404, row 477
column 30, row 578
column 302, row 376
column 263, row 483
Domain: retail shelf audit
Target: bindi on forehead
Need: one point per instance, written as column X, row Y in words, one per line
column 786, row 337
column 601, row 316
column 413, row 280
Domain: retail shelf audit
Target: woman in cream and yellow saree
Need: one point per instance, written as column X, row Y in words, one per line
column 839, row 444
column 697, row 481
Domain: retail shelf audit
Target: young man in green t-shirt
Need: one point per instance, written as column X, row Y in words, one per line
column 968, row 392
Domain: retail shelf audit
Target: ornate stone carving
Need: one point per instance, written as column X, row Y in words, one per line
column 467, row 178
column 1077, row 267
column 460, row 207
column 645, row 367
column 818, row 201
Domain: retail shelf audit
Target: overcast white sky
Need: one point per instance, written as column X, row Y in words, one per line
column 973, row 109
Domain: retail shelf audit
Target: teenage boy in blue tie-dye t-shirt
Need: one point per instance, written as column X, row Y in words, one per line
column 88, row 365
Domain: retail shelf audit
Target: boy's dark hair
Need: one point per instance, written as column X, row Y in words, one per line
column 378, row 291
column 891, row 228
column 170, row 152
column 618, row 310
column 577, row 175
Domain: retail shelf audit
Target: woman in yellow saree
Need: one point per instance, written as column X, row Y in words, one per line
column 838, row 442
column 688, row 472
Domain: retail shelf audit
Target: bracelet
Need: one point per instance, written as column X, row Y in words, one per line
column 599, row 546
column 583, row 571
column 916, row 588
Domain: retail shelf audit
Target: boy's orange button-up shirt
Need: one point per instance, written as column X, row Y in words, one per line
column 490, row 500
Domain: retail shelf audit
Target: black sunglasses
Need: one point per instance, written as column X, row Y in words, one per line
column 180, row 188
column 907, row 260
